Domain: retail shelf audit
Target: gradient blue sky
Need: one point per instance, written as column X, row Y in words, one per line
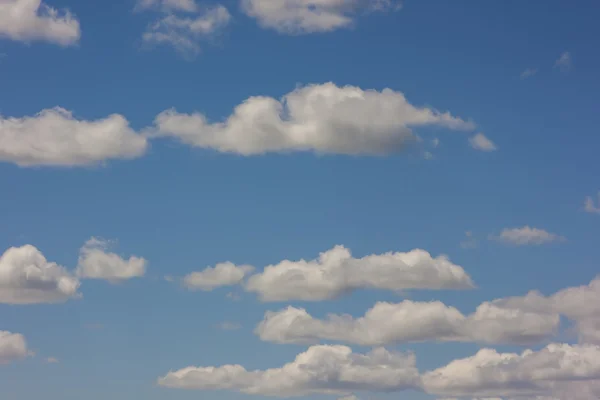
column 184, row 208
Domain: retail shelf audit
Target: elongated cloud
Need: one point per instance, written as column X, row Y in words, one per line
column 336, row 272
column 409, row 321
column 167, row 5
column 528, row 236
column 318, row 118
column 320, row 369
column 55, row 138
column 33, row 20
column 13, row 347
column 95, row 262
column 26, row 277
column 223, row 274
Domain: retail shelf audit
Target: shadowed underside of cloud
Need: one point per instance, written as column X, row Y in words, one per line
column 321, row 118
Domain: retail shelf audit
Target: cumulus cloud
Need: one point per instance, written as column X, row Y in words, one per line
column 311, row 16
column 319, row 118
column 590, row 206
column 222, row 274
column 13, row 347
column 482, row 143
column 26, row 277
column 564, row 62
column 54, row 137
column 528, row 236
column 95, row 262
column 167, row 5
column 336, row 272
column 320, row 369
column 186, row 33
column 408, row 321
column 489, row 373
column 33, row 20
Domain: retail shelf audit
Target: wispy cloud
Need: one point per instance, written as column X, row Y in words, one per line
column 590, row 206
column 564, row 62
column 528, row 73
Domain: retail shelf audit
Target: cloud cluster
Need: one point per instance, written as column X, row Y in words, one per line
column 95, row 262
column 33, row 20
column 54, row 137
column 319, row 118
column 222, row 274
column 309, row 16
column 320, row 369
column 13, row 347
column 408, row 321
column 26, row 277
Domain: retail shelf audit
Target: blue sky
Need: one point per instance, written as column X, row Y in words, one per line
column 183, row 194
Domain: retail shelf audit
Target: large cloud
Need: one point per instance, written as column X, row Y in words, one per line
column 26, row 277
column 489, row 373
column 13, row 347
column 336, row 272
column 410, row 321
column 222, row 274
column 95, row 262
column 321, row 369
column 310, row 16
column 320, row 118
column 30, row 20
column 54, row 137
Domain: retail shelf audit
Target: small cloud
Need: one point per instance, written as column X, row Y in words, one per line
column 229, row 326
column 435, row 142
column 469, row 242
column 527, row 236
column 52, row 360
column 169, row 278
column 428, row 155
column 482, row 143
column 233, row 296
column 528, row 73
column 564, row 62
column 589, row 205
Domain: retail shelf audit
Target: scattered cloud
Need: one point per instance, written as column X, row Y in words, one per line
column 167, row 5
column 13, row 347
column 319, row 118
column 527, row 236
column 229, row 326
column 564, row 62
column 54, row 137
column 296, row 17
column 95, row 262
column 320, row 369
column 223, row 274
column 589, row 205
column 469, row 242
column 408, row 321
column 336, row 272
column 482, row 143
column 26, row 277
column 33, row 20
column 52, row 360
column 528, row 73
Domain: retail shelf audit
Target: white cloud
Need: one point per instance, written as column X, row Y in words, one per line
column 13, row 347
column 320, row 118
column 564, row 62
column 222, row 274
column 528, row 73
column 482, row 143
column 95, row 262
column 186, row 34
column 531, row 373
column 320, row 369
column 54, row 137
column 26, row 277
column 528, row 236
column 336, row 272
column 589, row 205
column 408, row 321
column 52, row 360
column 33, row 20
column 310, row 16
column 167, row 5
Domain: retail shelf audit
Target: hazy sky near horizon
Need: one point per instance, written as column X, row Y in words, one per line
column 321, row 199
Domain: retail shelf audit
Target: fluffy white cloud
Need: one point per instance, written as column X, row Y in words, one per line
column 222, row 274
column 55, row 137
column 409, row 321
column 321, row 369
column 589, row 205
column 564, row 62
column 95, row 262
column 482, row 143
column 186, row 33
column 26, row 277
column 310, row 16
column 336, row 272
column 167, row 5
column 320, row 118
column 13, row 347
column 528, row 236
column 32, row 20
column 489, row 373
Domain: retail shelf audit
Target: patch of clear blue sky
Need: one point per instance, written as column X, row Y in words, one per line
column 184, row 209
